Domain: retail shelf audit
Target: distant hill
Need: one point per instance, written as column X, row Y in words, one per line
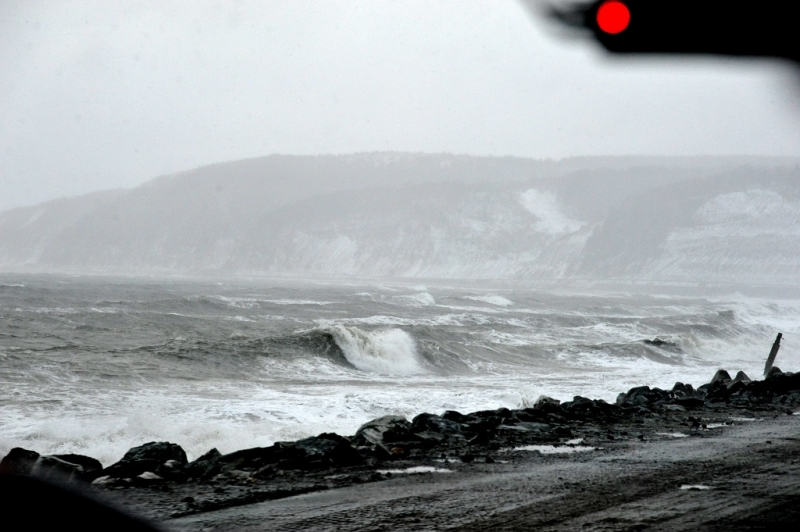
column 696, row 219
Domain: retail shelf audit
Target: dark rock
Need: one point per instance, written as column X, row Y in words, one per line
column 720, row 376
column 532, row 415
column 644, row 396
column 326, row 450
column 689, row 402
column 741, row 377
column 773, row 372
column 582, row 408
column 171, row 470
column 452, row 415
column 18, row 461
column 384, row 434
column 55, row 469
column 682, row 390
column 718, row 392
column 435, row 424
column 544, row 402
column 146, row 457
column 251, row 459
column 203, row 466
column 735, row 387
column 658, row 342
column 91, row 466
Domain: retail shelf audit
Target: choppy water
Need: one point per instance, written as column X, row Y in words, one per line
column 96, row 366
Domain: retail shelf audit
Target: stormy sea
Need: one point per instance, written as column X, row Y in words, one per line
column 96, row 365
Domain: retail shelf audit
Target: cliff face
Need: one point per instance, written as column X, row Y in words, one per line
column 443, row 216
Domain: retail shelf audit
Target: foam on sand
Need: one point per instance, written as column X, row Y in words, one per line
column 554, row 449
column 416, row 470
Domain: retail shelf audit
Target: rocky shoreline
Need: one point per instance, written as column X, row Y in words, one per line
column 156, row 481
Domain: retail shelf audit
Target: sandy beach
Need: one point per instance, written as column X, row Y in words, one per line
column 741, row 477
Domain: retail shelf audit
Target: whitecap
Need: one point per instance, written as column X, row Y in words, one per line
column 391, row 351
column 499, row 301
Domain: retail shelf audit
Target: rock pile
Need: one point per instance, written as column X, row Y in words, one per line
column 427, row 437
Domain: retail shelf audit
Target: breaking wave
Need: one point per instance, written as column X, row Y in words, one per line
column 391, row 351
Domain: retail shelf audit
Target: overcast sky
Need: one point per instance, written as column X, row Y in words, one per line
column 99, row 94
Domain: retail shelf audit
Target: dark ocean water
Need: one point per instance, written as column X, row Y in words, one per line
column 97, row 365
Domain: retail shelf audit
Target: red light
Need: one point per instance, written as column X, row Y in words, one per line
column 613, row 17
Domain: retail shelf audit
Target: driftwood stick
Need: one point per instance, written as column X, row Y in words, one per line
column 773, row 353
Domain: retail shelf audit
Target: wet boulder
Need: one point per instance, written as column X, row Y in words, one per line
column 533, row 415
column 18, row 461
column 581, row 408
column 452, row 415
column 547, row 404
column 435, row 430
column 682, row 390
column 721, row 376
column 741, row 376
column 147, row 457
column 643, row 396
column 481, row 427
column 778, row 382
column 433, row 423
column 67, row 468
column 251, row 459
column 387, row 437
column 717, row 391
column 319, row 452
column 203, row 466
column 774, row 372
column 171, row 470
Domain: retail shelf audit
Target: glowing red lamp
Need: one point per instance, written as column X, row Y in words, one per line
column 613, row 17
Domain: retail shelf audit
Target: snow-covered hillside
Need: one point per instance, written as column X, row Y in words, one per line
column 434, row 216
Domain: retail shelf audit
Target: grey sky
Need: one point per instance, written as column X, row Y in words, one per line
column 98, row 94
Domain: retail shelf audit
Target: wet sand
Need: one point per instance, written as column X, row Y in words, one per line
column 751, row 471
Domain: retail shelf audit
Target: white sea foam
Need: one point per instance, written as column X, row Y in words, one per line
column 416, row 470
column 390, row 351
column 554, row 449
column 421, row 299
column 51, row 404
column 500, row 301
column 296, row 302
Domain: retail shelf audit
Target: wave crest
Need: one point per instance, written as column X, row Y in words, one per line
column 391, row 351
